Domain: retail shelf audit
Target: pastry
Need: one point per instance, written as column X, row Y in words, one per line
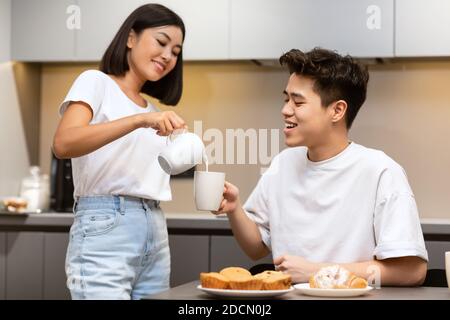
column 15, row 204
column 237, row 278
column 234, row 272
column 336, row 277
column 241, row 279
column 274, row 280
column 214, row 280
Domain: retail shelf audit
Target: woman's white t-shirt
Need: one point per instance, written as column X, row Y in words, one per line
column 353, row 207
column 126, row 166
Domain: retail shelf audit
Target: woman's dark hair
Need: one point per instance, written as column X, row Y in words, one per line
column 335, row 77
column 168, row 90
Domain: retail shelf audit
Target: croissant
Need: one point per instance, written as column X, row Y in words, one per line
column 336, row 277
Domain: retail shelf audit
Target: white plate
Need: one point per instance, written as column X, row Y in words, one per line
column 244, row 293
column 335, row 293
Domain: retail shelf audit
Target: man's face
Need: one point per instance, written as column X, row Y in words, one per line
column 307, row 122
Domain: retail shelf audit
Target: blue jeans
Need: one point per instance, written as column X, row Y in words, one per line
column 118, row 249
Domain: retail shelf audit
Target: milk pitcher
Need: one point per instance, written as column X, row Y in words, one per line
column 184, row 151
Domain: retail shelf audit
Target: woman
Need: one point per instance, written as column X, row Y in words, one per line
column 118, row 245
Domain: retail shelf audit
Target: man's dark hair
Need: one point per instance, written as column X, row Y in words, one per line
column 335, row 77
column 168, row 89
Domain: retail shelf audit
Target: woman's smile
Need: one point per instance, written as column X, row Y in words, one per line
column 159, row 66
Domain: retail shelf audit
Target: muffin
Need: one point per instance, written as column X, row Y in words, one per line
column 214, row 280
column 235, row 272
column 241, row 279
column 274, row 280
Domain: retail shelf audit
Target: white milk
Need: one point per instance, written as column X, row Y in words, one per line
column 205, row 160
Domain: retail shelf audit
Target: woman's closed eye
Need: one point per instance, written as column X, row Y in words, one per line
column 161, row 43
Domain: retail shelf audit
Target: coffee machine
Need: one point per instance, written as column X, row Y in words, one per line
column 61, row 186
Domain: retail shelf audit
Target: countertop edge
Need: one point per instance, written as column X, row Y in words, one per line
column 201, row 221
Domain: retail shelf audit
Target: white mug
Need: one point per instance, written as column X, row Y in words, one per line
column 181, row 154
column 208, row 189
column 447, row 267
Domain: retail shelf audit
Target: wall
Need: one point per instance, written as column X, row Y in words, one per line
column 14, row 157
column 406, row 115
column 5, row 30
column 28, row 84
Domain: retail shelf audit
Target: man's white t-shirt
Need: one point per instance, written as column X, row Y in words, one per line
column 126, row 166
column 352, row 207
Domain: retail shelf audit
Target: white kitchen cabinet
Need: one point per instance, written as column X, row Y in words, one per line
column 267, row 29
column 101, row 19
column 422, row 28
column 41, row 30
column 206, row 25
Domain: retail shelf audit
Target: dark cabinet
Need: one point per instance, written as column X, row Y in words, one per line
column 32, row 265
column 436, row 253
column 24, row 265
column 55, row 247
column 225, row 252
column 2, row 265
column 189, row 257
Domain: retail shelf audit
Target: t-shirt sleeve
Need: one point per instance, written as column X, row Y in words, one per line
column 89, row 88
column 256, row 207
column 398, row 232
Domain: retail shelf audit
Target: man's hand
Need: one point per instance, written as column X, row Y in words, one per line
column 299, row 268
column 230, row 200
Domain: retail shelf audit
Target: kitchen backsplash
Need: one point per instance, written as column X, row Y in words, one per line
column 407, row 115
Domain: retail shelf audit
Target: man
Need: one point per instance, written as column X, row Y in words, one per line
column 328, row 200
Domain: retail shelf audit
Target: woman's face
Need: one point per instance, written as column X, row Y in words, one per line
column 154, row 52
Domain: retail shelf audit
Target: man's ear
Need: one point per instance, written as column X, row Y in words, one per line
column 338, row 109
column 132, row 38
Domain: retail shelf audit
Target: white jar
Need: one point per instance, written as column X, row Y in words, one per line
column 36, row 190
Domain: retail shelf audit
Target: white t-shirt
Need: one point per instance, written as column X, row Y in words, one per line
column 348, row 208
column 128, row 165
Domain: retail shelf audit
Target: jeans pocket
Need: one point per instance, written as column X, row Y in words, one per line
column 98, row 221
column 159, row 228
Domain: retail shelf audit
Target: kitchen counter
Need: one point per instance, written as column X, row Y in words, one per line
column 189, row 291
column 62, row 221
column 196, row 222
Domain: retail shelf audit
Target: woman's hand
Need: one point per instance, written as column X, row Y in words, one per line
column 230, row 200
column 299, row 268
column 163, row 122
